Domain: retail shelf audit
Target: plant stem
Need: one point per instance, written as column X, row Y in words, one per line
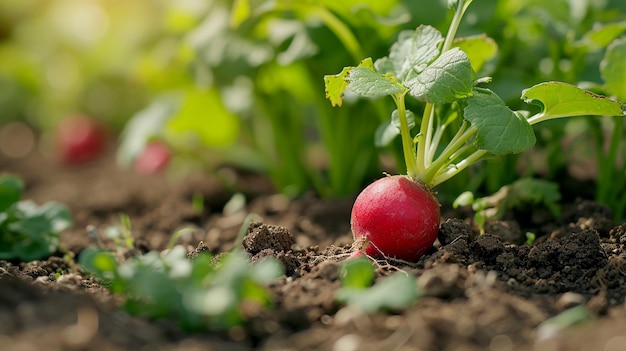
column 405, row 133
column 471, row 159
column 339, row 28
column 445, row 159
column 424, row 139
column 425, row 131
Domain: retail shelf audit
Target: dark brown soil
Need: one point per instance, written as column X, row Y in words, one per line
column 490, row 292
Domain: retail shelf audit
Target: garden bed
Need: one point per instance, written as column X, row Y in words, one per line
column 478, row 292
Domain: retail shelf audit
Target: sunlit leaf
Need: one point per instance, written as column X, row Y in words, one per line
column 357, row 273
column 613, row 69
column 395, row 292
column 602, row 36
column 203, row 116
column 447, row 79
column 144, row 125
column 500, row 130
column 564, row 100
column 480, row 49
column 335, row 86
column 413, row 51
column 11, row 188
column 366, row 81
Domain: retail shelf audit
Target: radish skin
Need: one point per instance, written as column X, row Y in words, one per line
column 398, row 216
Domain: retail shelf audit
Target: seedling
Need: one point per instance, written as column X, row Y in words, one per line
column 394, row 292
column 27, row 231
column 200, row 293
column 523, row 192
column 440, row 74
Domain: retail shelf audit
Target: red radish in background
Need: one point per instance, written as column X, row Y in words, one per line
column 154, row 158
column 80, row 139
column 397, row 217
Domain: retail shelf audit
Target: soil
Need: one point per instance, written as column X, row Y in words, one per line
column 478, row 292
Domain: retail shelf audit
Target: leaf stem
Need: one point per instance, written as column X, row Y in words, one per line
column 341, row 30
column 425, row 136
column 405, row 134
column 462, row 136
column 460, row 166
column 422, row 138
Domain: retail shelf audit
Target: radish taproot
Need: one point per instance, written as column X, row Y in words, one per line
column 461, row 124
column 395, row 217
column 153, row 159
column 80, row 139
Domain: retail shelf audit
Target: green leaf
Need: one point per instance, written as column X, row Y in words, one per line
column 144, row 125
column 203, row 117
column 613, row 69
column 363, row 80
column 267, row 270
column 600, row 37
column 387, row 131
column 500, row 130
column 99, row 262
column 357, row 273
column 366, row 82
column 11, row 188
column 413, row 51
column 565, row 100
column 335, row 86
column 479, row 48
column 447, row 79
column 395, row 292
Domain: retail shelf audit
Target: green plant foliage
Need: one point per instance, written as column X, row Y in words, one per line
column 613, row 68
column 523, row 193
column 200, row 293
column 27, row 231
column 500, row 130
column 565, row 100
column 436, row 72
column 395, row 292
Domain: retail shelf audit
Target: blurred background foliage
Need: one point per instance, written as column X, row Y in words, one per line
column 240, row 81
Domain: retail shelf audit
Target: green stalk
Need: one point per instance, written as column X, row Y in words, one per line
column 426, row 127
column 425, row 131
column 339, row 28
column 471, row 159
column 405, row 134
column 446, row 156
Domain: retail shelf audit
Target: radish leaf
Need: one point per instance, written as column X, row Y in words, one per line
column 447, row 79
column 565, row 100
column 479, row 48
column 366, row 81
column 412, row 53
column 395, row 292
column 613, row 68
column 500, row 130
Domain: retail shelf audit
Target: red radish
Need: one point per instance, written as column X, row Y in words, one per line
column 80, row 139
column 154, row 158
column 398, row 218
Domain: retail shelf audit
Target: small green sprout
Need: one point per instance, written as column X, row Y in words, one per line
column 28, row 231
column 395, row 292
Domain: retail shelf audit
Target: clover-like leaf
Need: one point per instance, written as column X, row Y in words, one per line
column 447, row 79
column 500, row 130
